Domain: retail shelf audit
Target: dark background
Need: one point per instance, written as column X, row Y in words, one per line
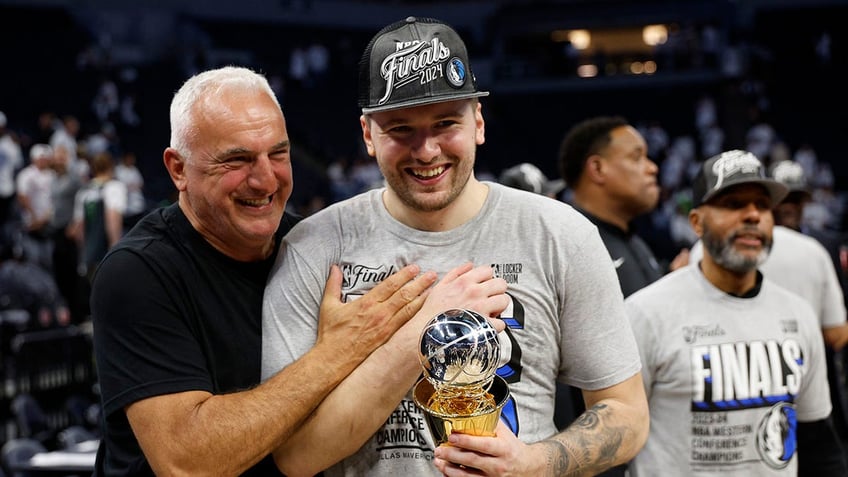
column 534, row 97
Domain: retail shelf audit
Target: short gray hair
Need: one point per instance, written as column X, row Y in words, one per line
column 210, row 82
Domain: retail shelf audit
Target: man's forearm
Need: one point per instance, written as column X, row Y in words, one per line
column 836, row 337
column 354, row 410
column 227, row 434
column 611, row 432
column 593, row 443
column 114, row 226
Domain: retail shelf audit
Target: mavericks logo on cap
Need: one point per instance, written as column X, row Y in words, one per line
column 420, row 62
column 456, row 72
column 734, row 162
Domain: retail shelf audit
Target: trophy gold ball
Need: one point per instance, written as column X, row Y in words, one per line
column 460, row 392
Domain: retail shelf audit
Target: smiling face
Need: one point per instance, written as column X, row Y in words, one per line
column 235, row 180
column 426, row 153
column 736, row 227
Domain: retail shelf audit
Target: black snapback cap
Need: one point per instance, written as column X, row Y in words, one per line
column 731, row 168
column 413, row 62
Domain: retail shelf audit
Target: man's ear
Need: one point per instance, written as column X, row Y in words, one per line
column 175, row 164
column 594, row 169
column 696, row 220
column 480, row 125
column 365, row 122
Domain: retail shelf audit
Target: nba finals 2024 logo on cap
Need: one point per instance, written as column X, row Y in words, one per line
column 414, row 62
column 729, row 169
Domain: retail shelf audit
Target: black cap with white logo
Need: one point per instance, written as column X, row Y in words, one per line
column 414, row 62
column 729, row 169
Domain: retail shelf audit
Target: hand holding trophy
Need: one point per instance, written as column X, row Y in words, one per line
column 460, row 392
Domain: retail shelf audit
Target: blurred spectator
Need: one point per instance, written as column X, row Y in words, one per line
column 318, row 63
column 127, row 172
column 34, row 187
column 680, row 231
column 341, row 185
column 712, row 140
column 129, row 115
column 106, row 101
column 710, row 45
column 65, row 249
column 366, row 174
column 105, row 140
column 733, row 60
column 673, row 169
column 46, row 124
column 65, row 135
column 792, row 211
column 26, row 286
column 299, row 66
column 657, row 139
column 278, row 85
column 708, row 130
column 99, row 213
column 807, row 158
column 11, row 161
column 759, row 139
column 706, row 114
column 822, row 49
column 779, row 152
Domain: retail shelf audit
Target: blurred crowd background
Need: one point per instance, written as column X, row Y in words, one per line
column 94, row 78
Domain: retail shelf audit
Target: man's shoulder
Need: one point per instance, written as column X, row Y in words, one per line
column 355, row 209
column 27, row 172
column 522, row 203
column 794, row 237
column 152, row 245
column 790, row 303
column 152, row 235
column 794, row 245
column 672, row 284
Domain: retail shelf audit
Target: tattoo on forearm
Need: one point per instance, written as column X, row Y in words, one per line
column 591, row 418
column 591, row 445
column 556, row 456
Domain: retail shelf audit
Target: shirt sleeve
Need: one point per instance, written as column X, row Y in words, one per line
column 594, row 310
column 290, row 306
column 143, row 344
column 644, row 335
column 115, row 196
column 832, row 300
column 813, row 400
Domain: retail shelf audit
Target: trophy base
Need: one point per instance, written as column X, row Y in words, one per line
column 442, row 425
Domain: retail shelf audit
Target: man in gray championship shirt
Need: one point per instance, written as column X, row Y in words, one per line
column 734, row 364
column 422, row 121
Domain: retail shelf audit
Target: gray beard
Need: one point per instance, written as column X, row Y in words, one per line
column 723, row 253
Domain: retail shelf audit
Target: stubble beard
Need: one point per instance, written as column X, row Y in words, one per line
column 431, row 201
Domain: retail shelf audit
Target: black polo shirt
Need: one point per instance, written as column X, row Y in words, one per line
column 633, row 259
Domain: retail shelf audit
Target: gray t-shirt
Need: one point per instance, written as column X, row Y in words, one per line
column 727, row 378
column 566, row 320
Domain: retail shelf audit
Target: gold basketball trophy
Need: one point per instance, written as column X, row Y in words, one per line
column 460, row 392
